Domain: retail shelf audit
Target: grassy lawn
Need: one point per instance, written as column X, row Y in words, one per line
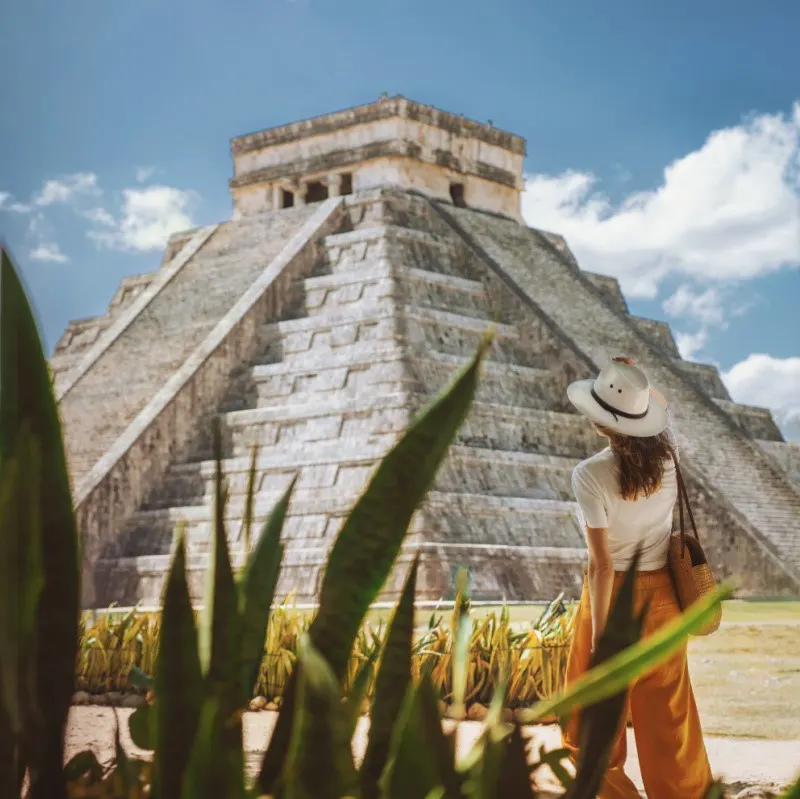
column 747, row 675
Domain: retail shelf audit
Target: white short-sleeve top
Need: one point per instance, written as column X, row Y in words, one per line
column 646, row 521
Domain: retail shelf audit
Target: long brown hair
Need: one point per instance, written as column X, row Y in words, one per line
column 640, row 460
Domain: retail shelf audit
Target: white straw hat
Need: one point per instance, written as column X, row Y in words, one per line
column 621, row 399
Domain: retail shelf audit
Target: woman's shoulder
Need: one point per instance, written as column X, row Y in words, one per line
column 597, row 466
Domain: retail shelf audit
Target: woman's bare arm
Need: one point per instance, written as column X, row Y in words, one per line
column 601, row 579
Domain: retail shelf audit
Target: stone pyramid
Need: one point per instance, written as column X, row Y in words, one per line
column 368, row 252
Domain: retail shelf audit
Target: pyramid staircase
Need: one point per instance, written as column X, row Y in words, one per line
column 383, row 296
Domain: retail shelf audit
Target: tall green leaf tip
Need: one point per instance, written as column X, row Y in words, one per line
column 258, row 586
column 391, row 686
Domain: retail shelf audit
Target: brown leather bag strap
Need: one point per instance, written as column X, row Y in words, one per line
column 683, row 499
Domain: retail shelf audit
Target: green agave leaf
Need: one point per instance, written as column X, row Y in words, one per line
column 484, row 759
column 610, row 677
column 220, row 636
column 258, row 591
column 370, row 540
column 247, row 518
column 219, row 621
column 320, row 760
column 178, row 682
column 515, row 773
column 23, row 578
column 391, row 686
column 206, row 773
column 600, row 721
column 27, row 395
column 421, row 762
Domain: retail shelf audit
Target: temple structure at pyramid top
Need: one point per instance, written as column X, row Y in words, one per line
column 367, row 253
column 393, row 142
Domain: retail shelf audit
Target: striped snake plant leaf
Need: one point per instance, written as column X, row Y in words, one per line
column 319, row 764
column 257, row 592
column 27, row 394
column 391, row 686
column 178, row 682
column 421, row 757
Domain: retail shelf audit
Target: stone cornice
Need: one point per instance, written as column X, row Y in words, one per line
column 385, row 108
column 369, row 152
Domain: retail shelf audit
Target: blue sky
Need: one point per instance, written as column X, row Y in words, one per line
column 662, row 139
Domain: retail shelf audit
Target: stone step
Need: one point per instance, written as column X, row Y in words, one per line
column 409, row 286
column 787, row 454
column 497, row 572
column 347, row 467
column 365, row 415
column 757, row 422
column 386, row 320
column 315, row 516
column 135, row 366
column 388, row 371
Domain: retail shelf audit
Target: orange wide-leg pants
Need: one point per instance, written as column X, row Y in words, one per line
column 661, row 704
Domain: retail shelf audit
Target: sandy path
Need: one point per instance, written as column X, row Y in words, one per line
column 741, row 762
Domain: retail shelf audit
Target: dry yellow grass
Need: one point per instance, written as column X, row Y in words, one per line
column 747, row 678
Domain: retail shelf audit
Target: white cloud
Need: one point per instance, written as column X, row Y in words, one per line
column 7, row 203
column 48, row 252
column 149, row 217
column 68, row 188
column 143, row 173
column 100, row 217
column 690, row 344
column 769, row 382
column 727, row 211
column 707, row 306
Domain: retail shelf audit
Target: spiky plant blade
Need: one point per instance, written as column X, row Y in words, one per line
column 21, row 585
column 220, row 634
column 371, row 537
column 178, row 681
column 319, row 764
column 420, row 760
column 613, row 675
column 27, row 395
column 391, row 686
column 258, row 591
column 600, row 721
column 207, row 773
column 247, row 518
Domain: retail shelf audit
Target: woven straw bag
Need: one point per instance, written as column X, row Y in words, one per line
column 687, row 561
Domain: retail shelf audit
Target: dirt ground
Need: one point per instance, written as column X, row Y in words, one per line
column 741, row 762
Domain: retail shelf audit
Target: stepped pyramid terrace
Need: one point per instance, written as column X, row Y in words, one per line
column 367, row 253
